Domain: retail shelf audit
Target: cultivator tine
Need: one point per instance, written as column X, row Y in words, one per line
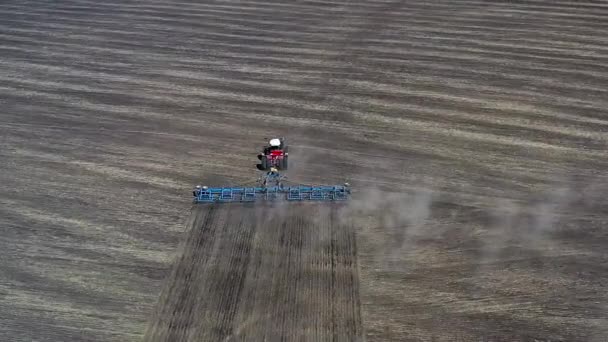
column 226, row 195
column 316, row 194
column 294, row 194
column 248, row 195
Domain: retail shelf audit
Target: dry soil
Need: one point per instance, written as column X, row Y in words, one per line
column 474, row 134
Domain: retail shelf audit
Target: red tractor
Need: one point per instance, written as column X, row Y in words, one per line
column 274, row 155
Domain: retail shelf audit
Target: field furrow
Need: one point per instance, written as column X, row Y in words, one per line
column 256, row 277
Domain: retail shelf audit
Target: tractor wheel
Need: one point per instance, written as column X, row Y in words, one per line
column 285, row 163
column 264, row 163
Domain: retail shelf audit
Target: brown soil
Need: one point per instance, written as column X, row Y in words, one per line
column 262, row 273
column 488, row 119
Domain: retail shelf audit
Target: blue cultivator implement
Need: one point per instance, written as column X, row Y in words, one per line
column 291, row 193
column 276, row 191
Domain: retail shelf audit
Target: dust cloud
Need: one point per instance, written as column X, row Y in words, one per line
column 399, row 223
column 402, row 219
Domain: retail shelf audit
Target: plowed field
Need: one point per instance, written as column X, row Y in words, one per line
column 475, row 134
column 253, row 273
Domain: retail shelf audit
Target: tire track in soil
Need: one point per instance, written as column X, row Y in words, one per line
column 262, row 273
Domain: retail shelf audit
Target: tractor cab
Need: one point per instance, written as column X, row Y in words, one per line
column 274, row 145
